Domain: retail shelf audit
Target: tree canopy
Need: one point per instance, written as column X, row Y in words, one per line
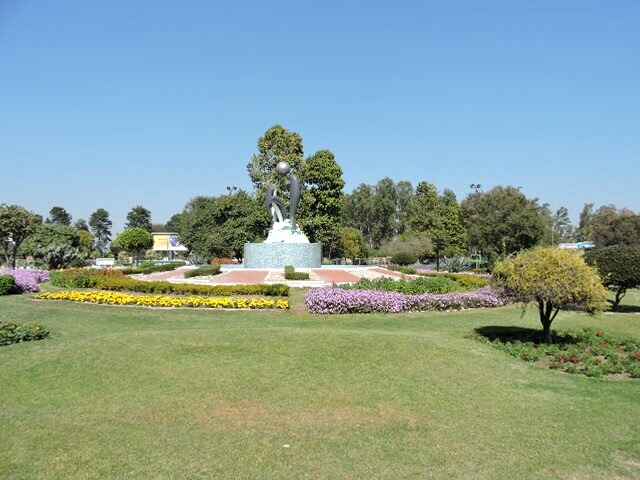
column 135, row 241
column 619, row 266
column 554, row 280
column 59, row 216
column 101, row 228
column 16, row 224
column 139, row 217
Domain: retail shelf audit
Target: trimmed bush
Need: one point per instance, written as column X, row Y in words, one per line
column 404, row 258
column 291, row 274
column 465, row 280
column 15, row 333
column 7, row 285
column 417, row 286
column 204, row 271
column 114, row 280
column 619, row 267
column 152, row 268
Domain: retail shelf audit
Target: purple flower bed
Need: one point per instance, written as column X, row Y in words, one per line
column 27, row 280
column 337, row 300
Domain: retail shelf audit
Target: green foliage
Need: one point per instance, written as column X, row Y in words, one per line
column 7, row 285
column 291, row 274
column 616, row 228
column 55, row 246
column 503, row 221
column 465, row 280
column 379, row 211
column 152, row 268
column 619, row 267
column 139, row 217
column 213, row 227
column 404, row 258
column 115, row 280
column 417, row 286
column 554, row 280
column 418, row 244
column 457, row 264
column 322, row 201
column 589, row 352
column 16, row 225
column 59, row 216
column 101, row 228
column 206, row 270
column 174, row 225
column 11, row 332
column 135, row 241
column 81, row 224
column 352, row 243
column 276, row 145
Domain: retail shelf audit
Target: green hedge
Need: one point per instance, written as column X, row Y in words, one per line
column 7, row 285
column 15, row 333
column 291, row 274
column 207, row 270
column 417, row 286
column 152, row 268
column 467, row 281
column 114, row 280
column 404, row 258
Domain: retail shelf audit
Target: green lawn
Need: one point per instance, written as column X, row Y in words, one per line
column 143, row 394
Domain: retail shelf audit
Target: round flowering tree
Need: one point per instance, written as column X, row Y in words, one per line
column 135, row 241
column 554, row 280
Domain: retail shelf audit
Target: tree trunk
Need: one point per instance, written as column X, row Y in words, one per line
column 547, row 313
column 620, row 293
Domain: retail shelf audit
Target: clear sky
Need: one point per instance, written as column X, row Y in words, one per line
column 117, row 103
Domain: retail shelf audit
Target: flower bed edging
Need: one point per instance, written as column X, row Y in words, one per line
column 167, row 301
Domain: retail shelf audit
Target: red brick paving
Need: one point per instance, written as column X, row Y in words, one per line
column 250, row 277
column 336, row 276
column 179, row 273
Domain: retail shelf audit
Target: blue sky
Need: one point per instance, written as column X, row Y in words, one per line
column 112, row 104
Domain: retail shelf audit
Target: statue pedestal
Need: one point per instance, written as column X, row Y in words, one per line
column 285, row 245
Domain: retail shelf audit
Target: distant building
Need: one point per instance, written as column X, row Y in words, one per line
column 167, row 243
column 577, row 246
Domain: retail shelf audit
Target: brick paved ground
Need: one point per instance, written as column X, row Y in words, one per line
column 335, row 276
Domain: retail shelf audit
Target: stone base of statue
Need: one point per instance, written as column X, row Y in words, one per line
column 285, row 245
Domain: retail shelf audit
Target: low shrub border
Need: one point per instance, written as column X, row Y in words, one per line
column 412, row 287
column 166, row 301
column 338, row 301
column 146, row 269
column 588, row 352
column 291, row 274
column 15, row 333
column 115, row 281
column 206, row 270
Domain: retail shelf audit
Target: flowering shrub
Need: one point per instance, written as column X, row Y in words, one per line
column 113, row 298
column 338, row 300
column 27, row 280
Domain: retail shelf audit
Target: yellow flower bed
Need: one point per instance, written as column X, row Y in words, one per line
column 116, row 298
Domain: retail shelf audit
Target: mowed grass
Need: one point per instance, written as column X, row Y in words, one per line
column 119, row 393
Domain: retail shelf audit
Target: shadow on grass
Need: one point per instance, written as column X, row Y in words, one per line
column 520, row 334
column 626, row 309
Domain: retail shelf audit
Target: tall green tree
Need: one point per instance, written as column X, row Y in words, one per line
column 404, row 196
column 16, row 225
column 424, row 214
column 503, row 221
column 101, row 228
column 322, row 201
column 59, row 216
column 562, row 229
column 584, row 231
column 220, row 226
column 173, row 225
column 139, row 217
column 616, row 228
column 81, row 224
column 359, row 211
column 276, row 145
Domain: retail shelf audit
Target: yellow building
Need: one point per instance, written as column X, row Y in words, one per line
column 167, row 243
